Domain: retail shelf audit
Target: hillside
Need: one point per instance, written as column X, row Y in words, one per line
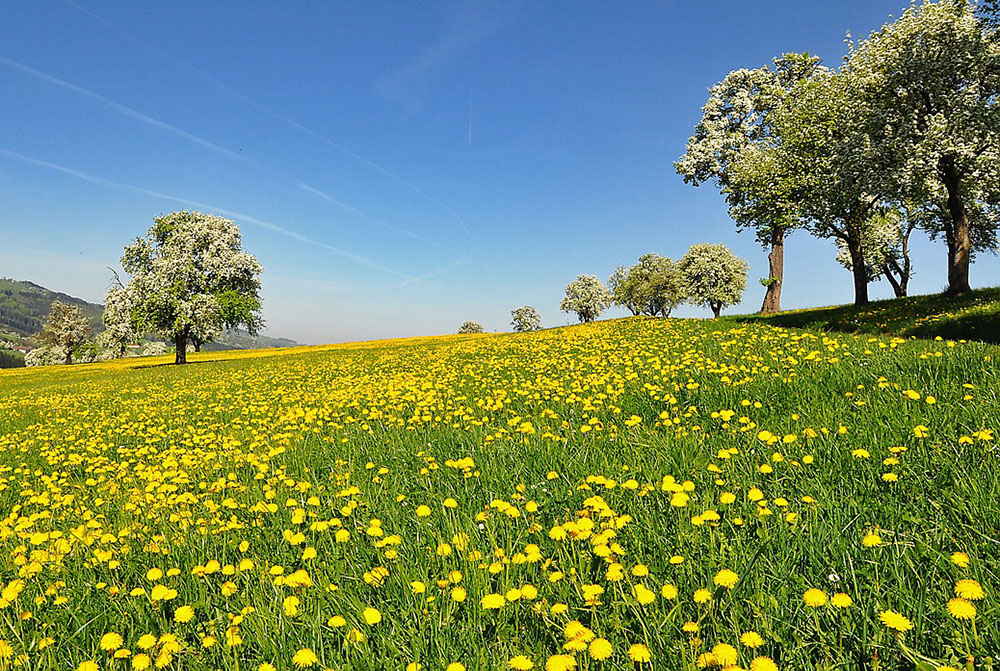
column 975, row 316
column 25, row 305
column 653, row 489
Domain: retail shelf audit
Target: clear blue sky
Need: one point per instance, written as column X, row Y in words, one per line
column 397, row 167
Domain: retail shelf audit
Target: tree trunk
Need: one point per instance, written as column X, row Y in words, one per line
column 897, row 288
column 180, row 346
column 69, row 355
column 776, row 271
column 960, row 247
column 858, row 269
column 716, row 308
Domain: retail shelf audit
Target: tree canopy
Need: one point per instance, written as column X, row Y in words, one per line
column 190, row 279
column 586, row 297
column 714, row 276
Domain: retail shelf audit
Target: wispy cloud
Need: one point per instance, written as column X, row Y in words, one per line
column 124, row 110
column 435, row 273
column 357, row 258
column 470, row 24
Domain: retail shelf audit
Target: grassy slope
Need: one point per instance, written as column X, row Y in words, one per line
column 975, row 316
column 308, row 415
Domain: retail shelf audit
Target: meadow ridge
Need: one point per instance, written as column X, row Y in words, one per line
column 628, row 494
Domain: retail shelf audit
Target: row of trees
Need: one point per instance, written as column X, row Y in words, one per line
column 904, row 135
column 523, row 319
column 187, row 281
column 709, row 275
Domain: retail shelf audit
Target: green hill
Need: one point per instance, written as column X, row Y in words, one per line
column 25, row 305
column 975, row 316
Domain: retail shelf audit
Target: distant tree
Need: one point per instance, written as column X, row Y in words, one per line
column 886, row 248
column 154, row 348
column 191, row 278
column 49, row 355
column 660, row 284
column 525, row 318
column 470, row 327
column 586, row 297
column 623, row 287
column 737, row 128
column 714, row 276
column 66, row 327
column 929, row 85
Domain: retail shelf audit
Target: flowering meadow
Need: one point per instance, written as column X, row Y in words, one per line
column 631, row 494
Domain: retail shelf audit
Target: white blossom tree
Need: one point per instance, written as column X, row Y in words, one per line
column 714, row 276
column 525, row 318
column 48, row 355
column 586, row 297
column 471, row 327
column 65, row 328
column 119, row 318
column 930, row 83
column 737, row 126
column 190, row 278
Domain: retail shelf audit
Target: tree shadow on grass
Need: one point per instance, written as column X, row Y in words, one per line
column 974, row 316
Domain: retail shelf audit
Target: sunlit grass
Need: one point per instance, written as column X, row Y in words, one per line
column 588, row 497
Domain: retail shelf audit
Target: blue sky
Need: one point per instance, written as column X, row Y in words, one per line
column 397, row 168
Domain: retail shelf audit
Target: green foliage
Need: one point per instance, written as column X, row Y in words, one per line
column 653, row 286
column 470, row 327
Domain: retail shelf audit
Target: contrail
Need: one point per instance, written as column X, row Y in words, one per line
column 330, row 199
column 124, row 110
column 357, row 258
column 434, row 273
column 289, row 122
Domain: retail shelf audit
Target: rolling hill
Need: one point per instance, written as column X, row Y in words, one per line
column 24, row 306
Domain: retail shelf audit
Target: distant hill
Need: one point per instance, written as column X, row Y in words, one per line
column 25, row 305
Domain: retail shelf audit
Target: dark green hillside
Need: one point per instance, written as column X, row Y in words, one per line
column 24, row 306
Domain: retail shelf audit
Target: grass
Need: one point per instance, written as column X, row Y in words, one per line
column 974, row 316
column 261, row 508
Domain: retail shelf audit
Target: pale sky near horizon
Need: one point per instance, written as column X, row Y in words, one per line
column 398, row 168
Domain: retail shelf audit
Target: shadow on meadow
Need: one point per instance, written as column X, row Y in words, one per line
column 975, row 316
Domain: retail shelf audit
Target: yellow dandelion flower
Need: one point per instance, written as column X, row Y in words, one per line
column 638, row 652
column 814, row 598
column 896, row 621
column 371, row 616
column 304, row 658
column 726, row 578
column 600, row 649
column 962, row 609
column 969, row 589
